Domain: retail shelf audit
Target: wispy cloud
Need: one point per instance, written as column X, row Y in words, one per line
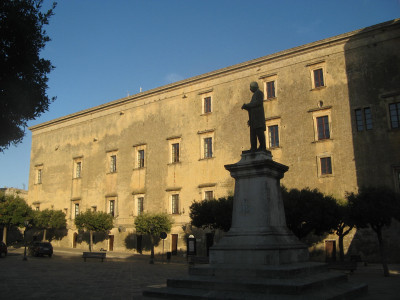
column 309, row 28
column 173, row 77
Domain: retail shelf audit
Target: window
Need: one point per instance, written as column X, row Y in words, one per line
column 322, row 119
column 94, row 208
column 206, row 143
column 175, row 153
column 207, row 104
column 76, row 209
column 317, row 74
column 326, row 166
column 140, row 158
column 359, row 120
column 113, row 163
column 208, row 195
column 39, row 176
column 37, row 207
column 273, row 136
column 318, row 78
column 368, row 118
column 394, row 110
column 112, row 207
column 270, row 89
column 323, row 128
column 140, row 202
column 78, row 169
column 363, row 120
column 396, row 171
column 175, row 204
column 208, row 150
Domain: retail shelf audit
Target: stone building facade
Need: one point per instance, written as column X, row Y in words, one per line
column 332, row 115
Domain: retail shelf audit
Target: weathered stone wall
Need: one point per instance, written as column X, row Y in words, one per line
column 152, row 120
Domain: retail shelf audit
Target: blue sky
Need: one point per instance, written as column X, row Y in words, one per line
column 104, row 50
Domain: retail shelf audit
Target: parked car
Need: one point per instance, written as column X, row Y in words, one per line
column 3, row 249
column 40, row 249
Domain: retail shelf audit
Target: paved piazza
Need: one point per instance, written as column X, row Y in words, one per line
column 69, row 277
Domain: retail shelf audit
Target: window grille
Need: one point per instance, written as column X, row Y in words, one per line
column 175, row 204
column 323, row 128
column 318, row 78
column 270, row 89
column 273, row 136
column 175, row 153
column 208, row 151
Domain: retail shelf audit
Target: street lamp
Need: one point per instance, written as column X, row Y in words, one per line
column 152, row 245
column 26, row 223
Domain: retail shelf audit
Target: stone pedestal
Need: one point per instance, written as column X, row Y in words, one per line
column 259, row 258
column 258, row 235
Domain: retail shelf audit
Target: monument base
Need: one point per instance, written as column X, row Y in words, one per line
column 259, row 258
column 292, row 281
column 258, row 234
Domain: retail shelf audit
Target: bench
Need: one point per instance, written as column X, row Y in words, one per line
column 198, row 260
column 343, row 265
column 101, row 255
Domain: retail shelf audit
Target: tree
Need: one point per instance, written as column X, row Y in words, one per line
column 94, row 222
column 375, row 207
column 309, row 211
column 23, row 74
column 344, row 223
column 49, row 219
column 13, row 212
column 152, row 225
column 213, row 214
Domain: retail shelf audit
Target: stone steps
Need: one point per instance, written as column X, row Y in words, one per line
column 282, row 271
column 344, row 291
column 294, row 281
column 260, row 285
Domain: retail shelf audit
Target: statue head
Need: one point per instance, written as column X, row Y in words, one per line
column 253, row 86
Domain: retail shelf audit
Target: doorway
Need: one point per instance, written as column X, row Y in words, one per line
column 330, row 250
column 139, row 243
column 209, row 242
column 174, row 244
column 74, row 239
column 110, row 242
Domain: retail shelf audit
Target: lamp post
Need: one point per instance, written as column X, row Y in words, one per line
column 152, row 245
column 26, row 223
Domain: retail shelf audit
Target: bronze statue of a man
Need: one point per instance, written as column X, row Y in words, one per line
column 256, row 121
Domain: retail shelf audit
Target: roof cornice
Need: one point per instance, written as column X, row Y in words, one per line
column 213, row 74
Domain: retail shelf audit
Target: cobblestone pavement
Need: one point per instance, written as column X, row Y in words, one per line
column 69, row 277
column 122, row 276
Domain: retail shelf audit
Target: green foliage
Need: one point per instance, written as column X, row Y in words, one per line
column 23, row 74
column 47, row 219
column 94, row 221
column 374, row 206
column 309, row 211
column 14, row 211
column 153, row 224
column 213, row 214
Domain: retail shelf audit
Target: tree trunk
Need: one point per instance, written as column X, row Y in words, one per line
column 382, row 251
column 44, row 234
column 5, row 234
column 90, row 240
column 152, row 250
column 341, row 248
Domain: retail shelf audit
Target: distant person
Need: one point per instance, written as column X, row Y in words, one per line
column 256, row 121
